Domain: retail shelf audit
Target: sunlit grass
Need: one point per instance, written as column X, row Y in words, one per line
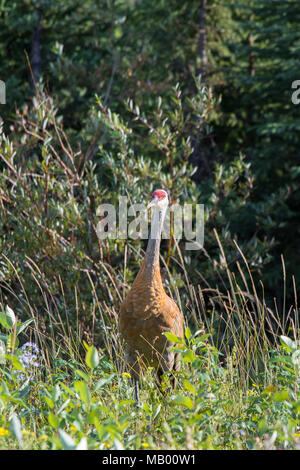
column 238, row 387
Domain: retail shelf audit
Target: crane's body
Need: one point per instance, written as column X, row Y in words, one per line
column 148, row 311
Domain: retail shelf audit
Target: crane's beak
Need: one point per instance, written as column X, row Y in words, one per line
column 153, row 202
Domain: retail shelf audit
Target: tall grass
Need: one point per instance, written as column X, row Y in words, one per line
column 239, row 382
column 238, row 320
column 231, row 340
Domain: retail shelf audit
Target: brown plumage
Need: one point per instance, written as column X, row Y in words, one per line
column 148, row 311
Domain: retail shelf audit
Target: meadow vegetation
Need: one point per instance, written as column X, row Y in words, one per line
column 64, row 383
column 116, row 113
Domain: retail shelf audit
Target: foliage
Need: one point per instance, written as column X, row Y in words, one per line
column 50, row 194
column 122, row 56
column 12, row 328
column 264, row 125
column 92, row 407
column 120, row 110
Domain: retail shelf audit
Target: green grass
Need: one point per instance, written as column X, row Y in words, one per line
column 238, row 387
column 91, row 405
column 239, row 383
column 80, row 396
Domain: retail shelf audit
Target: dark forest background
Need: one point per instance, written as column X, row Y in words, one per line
column 121, row 97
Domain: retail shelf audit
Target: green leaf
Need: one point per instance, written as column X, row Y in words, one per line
column 82, row 444
column 126, row 402
column 117, row 445
column 198, row 416
column 64, row 405
column 67, row 441
column 173, row 338
column 188, row 356
column 103, row 381
column 4, row 322
column 49, row 402
column 17, row 364
column 56, row 392
column 15, row 427
column 67, row 389
column 92, row 357
column 296, row 357
column 288, row 343
column 297, row 407
column 21, row 327
column 188, row 386
column 53, row 420
column 147, row 408
column 10, row 316
column 283, row 395
column 188, row 333
column 82, row 374
column 157, row 411
column 83, row 390
column 93, row 417
column 183, row 401
column 280, row 358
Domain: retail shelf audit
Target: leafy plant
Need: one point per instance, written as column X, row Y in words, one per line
column 13, row 328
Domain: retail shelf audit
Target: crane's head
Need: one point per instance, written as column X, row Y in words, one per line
column 160, row 199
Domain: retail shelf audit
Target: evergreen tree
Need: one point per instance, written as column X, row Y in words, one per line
column 266, row 124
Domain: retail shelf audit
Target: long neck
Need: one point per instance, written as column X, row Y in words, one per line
column 152, row 252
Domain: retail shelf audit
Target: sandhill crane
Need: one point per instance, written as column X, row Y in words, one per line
column 147, row 311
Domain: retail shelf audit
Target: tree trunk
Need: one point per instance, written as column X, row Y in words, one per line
column 251, row 68
column 200, row 155
column 36, row 57
column 202, row 41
